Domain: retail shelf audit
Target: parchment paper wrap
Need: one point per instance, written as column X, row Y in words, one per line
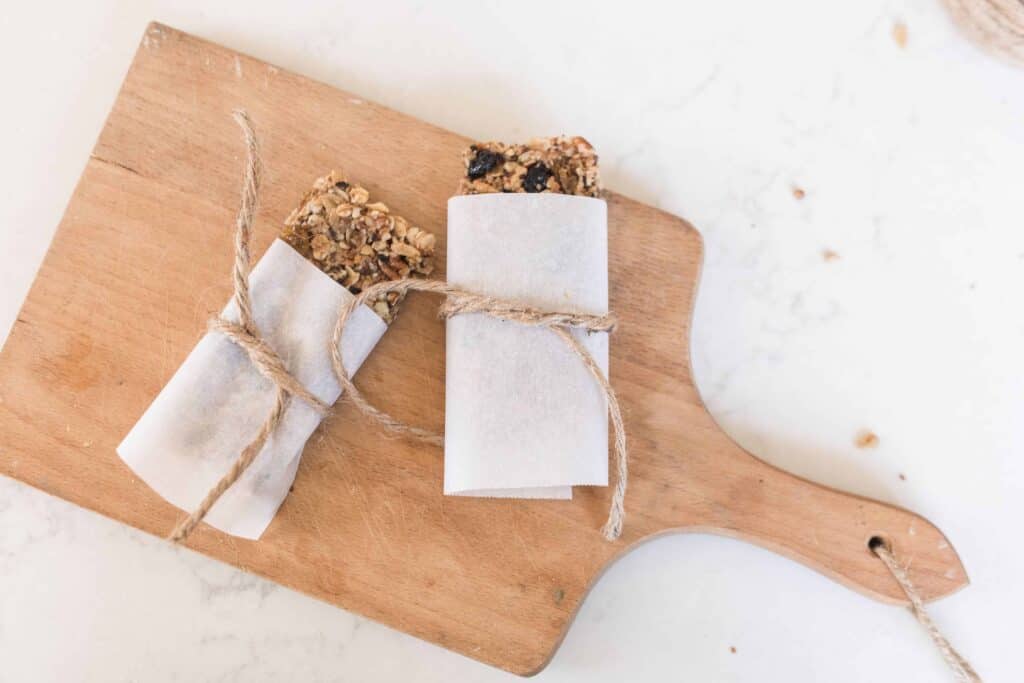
column 523, row 416
column 216, row 401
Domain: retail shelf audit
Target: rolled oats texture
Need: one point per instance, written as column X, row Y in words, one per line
column 563, row 165
column 357, row 242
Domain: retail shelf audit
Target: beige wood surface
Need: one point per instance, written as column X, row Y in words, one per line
column 142, row 259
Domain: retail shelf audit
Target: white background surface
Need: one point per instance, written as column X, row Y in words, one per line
column 912, row 161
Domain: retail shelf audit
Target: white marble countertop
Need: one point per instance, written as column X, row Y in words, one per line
column 887, row 299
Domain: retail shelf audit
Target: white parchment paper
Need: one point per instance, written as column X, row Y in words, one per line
column 523, row 416
column 215, row 403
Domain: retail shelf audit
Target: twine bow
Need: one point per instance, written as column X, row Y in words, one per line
column 245, row 334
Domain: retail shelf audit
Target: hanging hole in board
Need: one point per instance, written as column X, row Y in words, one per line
column 878, row 541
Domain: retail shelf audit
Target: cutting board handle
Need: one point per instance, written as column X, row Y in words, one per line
column 828, row 530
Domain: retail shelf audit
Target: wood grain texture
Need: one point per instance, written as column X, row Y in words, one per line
column 142, row 259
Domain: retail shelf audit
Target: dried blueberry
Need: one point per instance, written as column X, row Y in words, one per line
column 483, row 161
column 536, row 179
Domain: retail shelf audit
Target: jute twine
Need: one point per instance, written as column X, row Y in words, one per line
column 458, row 302
column 995, row 25
column 961, row 667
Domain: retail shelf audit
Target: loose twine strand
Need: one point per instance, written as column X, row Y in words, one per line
column 962, row 669
column 245, row 334
column 995, row 25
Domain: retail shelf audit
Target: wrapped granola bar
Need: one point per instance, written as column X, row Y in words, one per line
column 334, row 244
column 523, row 417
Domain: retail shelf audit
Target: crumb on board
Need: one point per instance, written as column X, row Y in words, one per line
column 899, row 34
column 903, row 477
column 866, row 439
column 829, row 255
column 798, row 192
column 732, row 649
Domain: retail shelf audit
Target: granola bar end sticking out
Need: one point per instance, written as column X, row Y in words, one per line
column 564, row 165
column 358, row 242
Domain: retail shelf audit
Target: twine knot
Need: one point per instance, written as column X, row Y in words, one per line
column 267, row 362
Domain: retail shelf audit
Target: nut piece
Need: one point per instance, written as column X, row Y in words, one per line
column 561, row 164
column 356, row 242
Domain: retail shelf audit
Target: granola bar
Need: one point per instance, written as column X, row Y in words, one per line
column 565, row 165
column 358, row 242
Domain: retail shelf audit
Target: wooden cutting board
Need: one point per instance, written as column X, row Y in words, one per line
column 141, row 260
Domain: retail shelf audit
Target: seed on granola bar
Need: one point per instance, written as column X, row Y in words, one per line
column 357, row 242
column 565, row 165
